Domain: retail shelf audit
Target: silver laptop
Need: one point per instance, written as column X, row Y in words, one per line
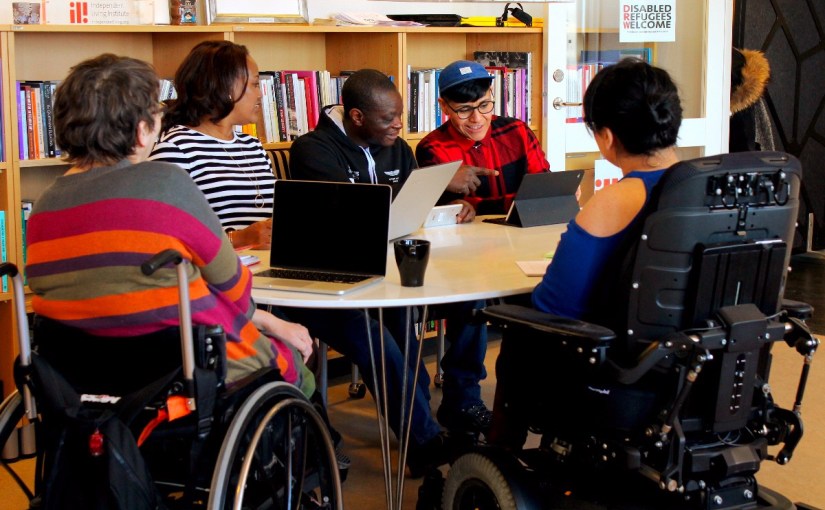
column 327, row 237
column 417, row 197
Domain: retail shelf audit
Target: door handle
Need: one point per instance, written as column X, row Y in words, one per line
column 559, row 103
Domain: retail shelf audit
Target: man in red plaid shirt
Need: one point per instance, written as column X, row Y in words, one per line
column 496, row 151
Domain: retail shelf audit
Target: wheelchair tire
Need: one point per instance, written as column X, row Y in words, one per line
column 263, row 461
column 12, row 410
column 476, row 482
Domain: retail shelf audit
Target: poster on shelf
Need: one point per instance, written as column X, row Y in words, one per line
column 96, row 12
column 647, row 21
column 606, row 173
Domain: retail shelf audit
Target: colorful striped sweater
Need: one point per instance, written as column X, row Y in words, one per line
column 88, row 235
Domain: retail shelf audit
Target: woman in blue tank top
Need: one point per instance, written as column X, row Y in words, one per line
column 634, row 113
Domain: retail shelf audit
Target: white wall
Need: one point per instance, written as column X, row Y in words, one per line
column 325, row 8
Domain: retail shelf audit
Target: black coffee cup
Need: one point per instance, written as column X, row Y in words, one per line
column 412, row 255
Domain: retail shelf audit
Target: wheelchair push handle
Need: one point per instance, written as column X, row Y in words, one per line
column 159, row 260
column 148, row 268
column 23, row 338
column 8, row 269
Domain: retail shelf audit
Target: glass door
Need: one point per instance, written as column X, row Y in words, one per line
column 691, row 39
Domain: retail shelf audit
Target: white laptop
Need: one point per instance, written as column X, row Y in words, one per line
column 327, row 237
column 417, row 197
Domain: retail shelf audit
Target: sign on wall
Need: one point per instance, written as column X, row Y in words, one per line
column 605, row 174
column 647, row 21
column 94, row 12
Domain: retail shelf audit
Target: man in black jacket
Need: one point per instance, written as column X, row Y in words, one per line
column 359, row 142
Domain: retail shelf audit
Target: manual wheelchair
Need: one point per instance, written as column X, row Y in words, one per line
column 662, row 400
column 257, row 444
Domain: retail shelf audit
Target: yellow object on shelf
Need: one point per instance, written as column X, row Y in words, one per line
column 492, row 21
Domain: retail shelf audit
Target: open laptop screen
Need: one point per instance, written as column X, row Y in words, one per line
column 330, row 226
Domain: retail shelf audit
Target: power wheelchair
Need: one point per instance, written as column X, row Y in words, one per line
column 257, row 444
column 661, row 399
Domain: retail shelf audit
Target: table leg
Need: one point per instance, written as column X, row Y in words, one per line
column 405, row 407
column 380, row 396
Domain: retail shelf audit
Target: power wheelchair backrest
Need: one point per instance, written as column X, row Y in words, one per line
column 718, row 231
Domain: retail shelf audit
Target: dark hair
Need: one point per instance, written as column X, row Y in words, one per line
column 468, row 91
column 638, row 102
column 359, row 89
column 98, row 108
column 205, row 83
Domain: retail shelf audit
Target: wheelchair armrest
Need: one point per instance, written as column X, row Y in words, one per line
column 797, row 309
column 587, row 335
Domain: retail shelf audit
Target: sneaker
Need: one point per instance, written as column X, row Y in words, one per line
column 344, row 463
column 423, row 458
column 476, row 418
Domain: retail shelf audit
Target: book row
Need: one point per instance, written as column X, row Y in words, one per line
column 590, row 63
column 292, row 101
column 35, row 125
column 511, row 89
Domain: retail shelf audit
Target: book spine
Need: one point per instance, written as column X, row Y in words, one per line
column 274, row 90
column 291, row 82
column 22, row 127
column 422, row 101
column 3, row 254
column 439, row 115
column 302, row 105
column 280, row 91
column 413, row 109
column 42, row 142
column 32, row 151
column 48, row 118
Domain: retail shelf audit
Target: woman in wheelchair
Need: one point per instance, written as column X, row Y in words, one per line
column 88, row 236
column 634, row 113
column 91, row 230
column 644, row 364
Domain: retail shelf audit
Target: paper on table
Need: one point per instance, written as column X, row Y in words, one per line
column 533, row 267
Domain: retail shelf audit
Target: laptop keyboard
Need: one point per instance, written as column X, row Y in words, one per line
column 297, row 274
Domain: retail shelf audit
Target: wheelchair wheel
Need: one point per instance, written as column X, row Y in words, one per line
column 476, row 482
column 277, row 453
column 12, row 448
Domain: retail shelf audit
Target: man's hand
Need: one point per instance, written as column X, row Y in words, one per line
column 466, row 180
column 467, row 213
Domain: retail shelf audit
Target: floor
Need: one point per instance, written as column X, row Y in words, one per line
column 799, row 480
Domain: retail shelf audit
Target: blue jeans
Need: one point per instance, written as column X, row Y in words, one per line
column 344, row 331
column 463, row 363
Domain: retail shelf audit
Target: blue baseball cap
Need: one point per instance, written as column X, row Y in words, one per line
column 461, row 71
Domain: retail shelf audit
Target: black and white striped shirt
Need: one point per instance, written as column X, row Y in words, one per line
column 236, row 176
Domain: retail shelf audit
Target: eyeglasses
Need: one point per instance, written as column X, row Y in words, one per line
column 160, row 109
column 465, row 112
